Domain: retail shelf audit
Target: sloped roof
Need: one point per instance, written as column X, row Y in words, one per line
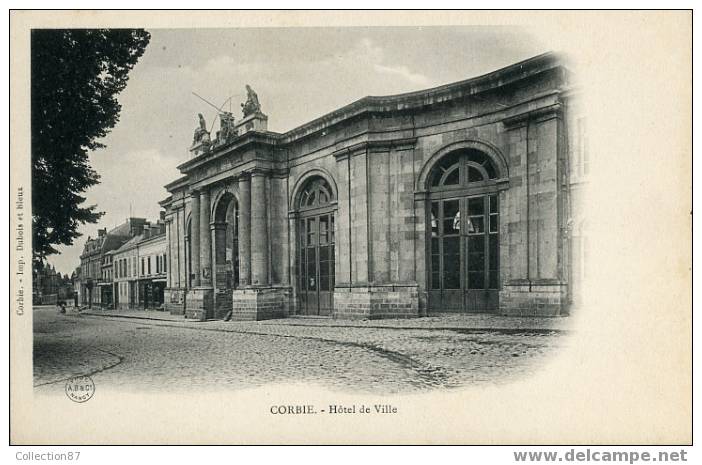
column 130, row 243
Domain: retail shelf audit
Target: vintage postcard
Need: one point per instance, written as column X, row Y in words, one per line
column 464, row 227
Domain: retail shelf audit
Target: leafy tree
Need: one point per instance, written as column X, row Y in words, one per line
column 76, row 76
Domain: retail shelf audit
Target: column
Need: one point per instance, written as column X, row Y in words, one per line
column 205, row 240
column 219, row 255
column 244, row 230
column 195, row 237
column 169, row 240
column 259, row 229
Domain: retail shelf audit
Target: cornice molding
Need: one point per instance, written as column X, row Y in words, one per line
column 407, row 143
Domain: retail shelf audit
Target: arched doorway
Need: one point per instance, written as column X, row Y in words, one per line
column 463, row 227
column 226, row 253
column 315, row 238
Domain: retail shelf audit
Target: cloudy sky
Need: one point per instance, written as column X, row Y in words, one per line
column 298, row 74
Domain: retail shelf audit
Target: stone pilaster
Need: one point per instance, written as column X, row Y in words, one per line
column 195, row 237
column 169, row 263
column 244, row 232
column 205, row 240
column 259, row 230
column 536, row 285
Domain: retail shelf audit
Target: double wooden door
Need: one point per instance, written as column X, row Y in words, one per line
column 464, row 254
column 316, row 264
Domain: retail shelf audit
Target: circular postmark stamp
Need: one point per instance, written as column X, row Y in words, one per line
column 80, row 388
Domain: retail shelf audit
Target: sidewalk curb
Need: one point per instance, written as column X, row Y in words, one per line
column 135, row 317
column 465, row 329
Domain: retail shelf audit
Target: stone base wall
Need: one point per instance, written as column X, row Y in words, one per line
column 536, row 300
column 199, row 303
column 222, row 303
column 376, row 302
column 173, row 300
column 260, row 303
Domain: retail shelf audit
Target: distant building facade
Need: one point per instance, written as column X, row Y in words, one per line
column 126, row 274
column 152, row 276
column 49, row 286
column 105, row 284
column 139, row 269
column 93, row 281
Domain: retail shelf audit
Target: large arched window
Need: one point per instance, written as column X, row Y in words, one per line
column 463, row 168
column 316, row 194
column 315, row 240
column 463, row 232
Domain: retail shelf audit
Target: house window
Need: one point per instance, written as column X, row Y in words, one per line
column 148, row 264
column 142, row 267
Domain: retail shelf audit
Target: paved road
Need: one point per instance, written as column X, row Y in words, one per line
column 137, row 355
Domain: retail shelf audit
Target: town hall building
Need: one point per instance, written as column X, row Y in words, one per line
column 458, row 198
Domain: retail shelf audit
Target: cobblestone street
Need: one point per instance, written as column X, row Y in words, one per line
column 385, row 356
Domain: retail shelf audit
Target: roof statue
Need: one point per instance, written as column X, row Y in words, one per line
column 201, row 134
column 227, row 128
column 252, row 104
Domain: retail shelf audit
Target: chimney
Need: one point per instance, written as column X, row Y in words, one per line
column 147, row 231
column 102, row 232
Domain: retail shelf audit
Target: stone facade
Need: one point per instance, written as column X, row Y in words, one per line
column 452, row 199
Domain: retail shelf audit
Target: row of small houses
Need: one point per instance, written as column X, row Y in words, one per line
column 124, row 267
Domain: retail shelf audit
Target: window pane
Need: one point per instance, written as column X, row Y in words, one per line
column 476, row 253
column 493, row 204
column 452, row 178
column 476, row 225
column 490, row 168
column 323, row 229
column 303, row 233
column 311, row 232
column 436, row 177
column 494, row 280
column 452, row 263
column 323, row 283
column 434, row 219
column 435, row 246
column 435, row 263
column 493, row 247
column 476, row 262
column 303, row 270
column 494, row 223
column 474, row 175
column 476, row 206
column 331, row 228
column 324, row 253
column 311, row 269
column 452, row 217
column 476, row 244
column 324, row 268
